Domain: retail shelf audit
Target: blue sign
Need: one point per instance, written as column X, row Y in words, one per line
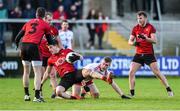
column 121, row 64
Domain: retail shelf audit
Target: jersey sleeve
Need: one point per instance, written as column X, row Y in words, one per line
column 50, row 63
column 133, row 32
column 54, row 31
column 47, row 28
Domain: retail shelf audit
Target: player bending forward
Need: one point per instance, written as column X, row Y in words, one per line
column 99, row 68
column 62, row 60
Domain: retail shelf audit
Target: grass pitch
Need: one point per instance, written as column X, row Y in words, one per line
column 150, row 94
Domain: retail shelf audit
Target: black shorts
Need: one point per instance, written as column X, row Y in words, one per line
column 30, row 52
column 71, row 78
column 144, row 59
column 45, row 60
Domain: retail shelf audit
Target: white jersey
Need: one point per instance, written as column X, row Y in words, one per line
column 96, row 67
column 66, row 38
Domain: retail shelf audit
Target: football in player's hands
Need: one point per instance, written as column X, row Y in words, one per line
column 72, row 57
column 141, row 36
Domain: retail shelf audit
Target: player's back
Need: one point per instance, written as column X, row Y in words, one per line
column 34, row 30
column 96, row 67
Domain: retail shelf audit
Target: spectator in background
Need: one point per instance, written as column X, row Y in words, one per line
column 146, row 5
column 161, row 3
column 3, row 15
column 11, row 4
column 134, row 5
column 55, row 4
column 100, row 29
column 29, row 12
column 120, row 8
column 67, row 4
column 72, row 15
column 91, row 28
column 15, row 13
column 59, row 14
column 79, row 8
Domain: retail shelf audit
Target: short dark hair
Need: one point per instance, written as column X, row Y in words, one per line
column 53, row 42
column 107, row 59
column 142, row 13
column 64, row 21
column 48, row 13
column 40, row 12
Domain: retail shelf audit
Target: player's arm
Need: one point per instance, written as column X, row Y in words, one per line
column 49, row 39
column 131, row 41
column 152, row 39
column 46, row 74
column 19, row 36
column 72, row 43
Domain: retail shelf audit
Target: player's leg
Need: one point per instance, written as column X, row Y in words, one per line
column 118, row 90
column 66, row 82
column 93, row 90
column 25, row 56
column 133, row 68
column 160, row 76
column 37, row 68
column 76, row 90
column 26, row 73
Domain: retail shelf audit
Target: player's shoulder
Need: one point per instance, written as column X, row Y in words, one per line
column 92, row 65
column 135, row 27
column 150, row 25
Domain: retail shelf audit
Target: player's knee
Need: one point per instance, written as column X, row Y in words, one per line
column 58, row 91
column 52, row 76
column 131, row 73
column 95, row 95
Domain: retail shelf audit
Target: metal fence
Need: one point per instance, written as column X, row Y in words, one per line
column 167, row 32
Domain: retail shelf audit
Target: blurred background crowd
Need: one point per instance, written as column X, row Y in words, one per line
column 78, row 10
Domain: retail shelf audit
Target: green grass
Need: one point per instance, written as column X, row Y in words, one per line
column 150, row 94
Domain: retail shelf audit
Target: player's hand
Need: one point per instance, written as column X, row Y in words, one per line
column 141, row 36
column 136, row 44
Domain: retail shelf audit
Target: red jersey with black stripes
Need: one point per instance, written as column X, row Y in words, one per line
column 145, row 46
column 59, row 62
column 34, row 31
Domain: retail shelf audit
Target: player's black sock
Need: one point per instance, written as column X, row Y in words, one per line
column 26, row 90
column 83, row 94
column 132, row 92
column 37, row 93
column 168, row 89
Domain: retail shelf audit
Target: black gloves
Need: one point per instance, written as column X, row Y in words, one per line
column 136, row 43
column 141, row 36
